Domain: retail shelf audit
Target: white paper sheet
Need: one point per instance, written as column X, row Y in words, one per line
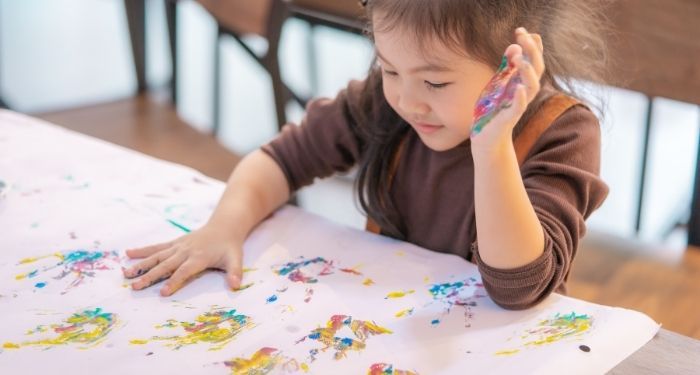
column 74, row 203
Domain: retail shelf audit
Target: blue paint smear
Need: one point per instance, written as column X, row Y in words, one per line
column 435, row 322
column 272, row 298
column 40, row 285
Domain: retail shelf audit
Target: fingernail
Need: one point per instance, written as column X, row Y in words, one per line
column 520, row 30
column 236, row 281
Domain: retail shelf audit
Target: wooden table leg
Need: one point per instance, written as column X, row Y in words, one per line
column 136, row 17
column 171, row 18
column 694, row 222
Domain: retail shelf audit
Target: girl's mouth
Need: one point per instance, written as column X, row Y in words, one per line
column 427, row 128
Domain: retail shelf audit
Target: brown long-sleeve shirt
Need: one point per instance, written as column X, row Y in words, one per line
column 434, row 191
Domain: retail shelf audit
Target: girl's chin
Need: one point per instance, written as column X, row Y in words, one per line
column 440, row 144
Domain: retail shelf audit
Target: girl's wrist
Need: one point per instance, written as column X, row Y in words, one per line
column 226, row 226
column 487, row 154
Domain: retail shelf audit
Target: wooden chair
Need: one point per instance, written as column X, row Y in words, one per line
column 265, row 18
column 656, row 51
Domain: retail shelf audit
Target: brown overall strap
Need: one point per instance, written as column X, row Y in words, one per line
column 554, row 107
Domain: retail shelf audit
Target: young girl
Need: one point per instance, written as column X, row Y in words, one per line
column 511, row 198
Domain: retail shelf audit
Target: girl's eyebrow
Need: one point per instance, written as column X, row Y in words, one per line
column 429, row 67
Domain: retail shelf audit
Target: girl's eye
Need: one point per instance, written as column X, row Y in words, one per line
column 433, row 86
column 389, row 72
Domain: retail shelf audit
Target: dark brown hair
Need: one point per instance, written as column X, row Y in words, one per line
column 574, row 48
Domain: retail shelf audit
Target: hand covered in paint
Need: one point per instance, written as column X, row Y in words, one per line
column 180, row 260
column 505, row 98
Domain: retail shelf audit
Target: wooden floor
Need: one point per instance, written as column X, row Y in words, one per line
column 605, row 271
column 149, row 124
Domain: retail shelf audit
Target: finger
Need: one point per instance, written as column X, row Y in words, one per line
column 512, row 51
column 530, row 49
column 234, row 270
column 143, row 252
column 520, row 101
column 529, row 77
column 187, row 270
column 538, row 41
column 145, row 265
column 160, row 272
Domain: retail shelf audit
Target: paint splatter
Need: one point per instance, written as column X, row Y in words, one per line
column 464, row 293
column 80, row 264
column 585, row 348
column 265, row 361
column 179, row 226
column 308, row 294
column 352, row 270
column 85, row 329
column 435, row 322
column 557, row 328
column 404, row 312
column 368, row 282
column 272, row 298
column 293, row 270
column 399, row 294
column 40, row 285
column 361, row 330
column 496, row 96
column 216, row 327
column 242, row 287
column 507, row 352
column 386, row 369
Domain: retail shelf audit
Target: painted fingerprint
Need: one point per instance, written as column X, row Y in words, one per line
column 464, row 293
column 558, row 328
column 548, row 331
column 387, row 369
column 84, row 329
column 216, row 328
column 265, row 361
column 360, row 329
column 305, row 270
column 76, row 265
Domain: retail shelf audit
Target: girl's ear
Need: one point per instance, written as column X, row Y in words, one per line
column 538, row 40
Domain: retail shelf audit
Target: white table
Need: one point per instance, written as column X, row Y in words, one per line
column 76, row 199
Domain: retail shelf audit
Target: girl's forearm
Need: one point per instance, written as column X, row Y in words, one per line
column 256, row 188
column 510, row 234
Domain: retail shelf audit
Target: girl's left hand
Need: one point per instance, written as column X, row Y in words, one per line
column 527, row 58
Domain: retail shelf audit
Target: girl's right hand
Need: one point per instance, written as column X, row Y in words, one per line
column 180, row 260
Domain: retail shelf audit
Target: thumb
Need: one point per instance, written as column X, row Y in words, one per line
column 234, row 273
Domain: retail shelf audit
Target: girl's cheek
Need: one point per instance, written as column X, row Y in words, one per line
column 390, row 95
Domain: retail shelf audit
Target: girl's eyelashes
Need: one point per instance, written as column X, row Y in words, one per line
column 436, row 86
column 389, row 72
column 428, row 84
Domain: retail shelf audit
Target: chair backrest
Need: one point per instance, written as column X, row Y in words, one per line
column 348, row 13
column 342, row 8
column 240, row 16
column 657, row 47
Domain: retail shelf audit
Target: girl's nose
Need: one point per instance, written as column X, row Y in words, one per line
column 410, row 103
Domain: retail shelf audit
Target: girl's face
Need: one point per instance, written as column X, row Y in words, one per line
column 434, row 91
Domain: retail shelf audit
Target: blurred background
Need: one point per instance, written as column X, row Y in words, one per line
column 105, row 68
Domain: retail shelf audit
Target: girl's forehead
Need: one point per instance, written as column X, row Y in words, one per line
column 394, row 44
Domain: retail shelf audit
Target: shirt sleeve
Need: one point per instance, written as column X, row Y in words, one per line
column 561, row 177
column 327, row 140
